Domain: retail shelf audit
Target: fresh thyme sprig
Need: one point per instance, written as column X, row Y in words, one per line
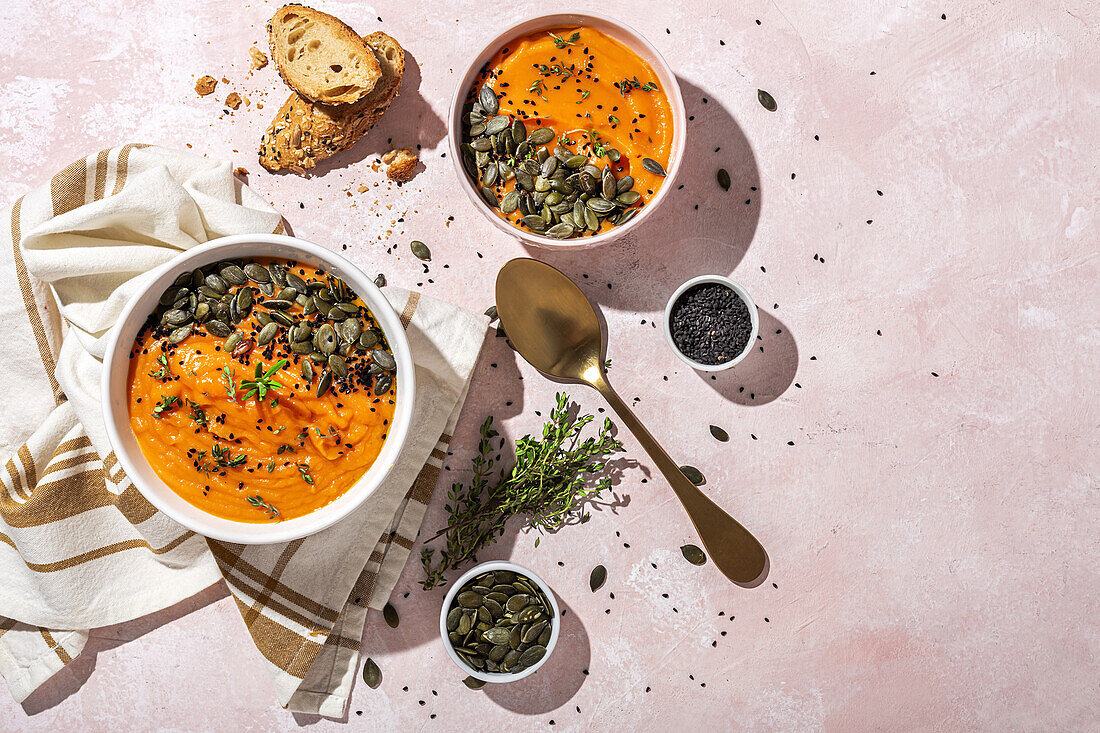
column 164, row 373
column 548, row 485
column 197, row 413
column 627, row 85
column 263, row 382
column 230, row 384
column 167, row 402
column 562, row 43
column 258, row 502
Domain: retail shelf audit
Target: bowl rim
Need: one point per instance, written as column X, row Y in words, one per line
column 672, row 90
column 555, row 623
column 754, row 317
column 209, row 525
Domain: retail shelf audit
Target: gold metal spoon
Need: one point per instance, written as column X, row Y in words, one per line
column 554, row 327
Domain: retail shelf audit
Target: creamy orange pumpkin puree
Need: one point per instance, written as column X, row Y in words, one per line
column 600, row 99
column 250, row 454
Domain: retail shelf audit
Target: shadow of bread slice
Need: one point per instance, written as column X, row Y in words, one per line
column 320, row 56
column 305, row 132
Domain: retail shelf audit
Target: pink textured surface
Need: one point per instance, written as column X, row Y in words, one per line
column 932, row 529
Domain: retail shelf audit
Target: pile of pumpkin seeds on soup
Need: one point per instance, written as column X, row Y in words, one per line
column 541, row 186
column 500, row 622
column 281, row 309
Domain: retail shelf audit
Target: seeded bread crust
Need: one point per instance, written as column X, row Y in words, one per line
column 305, row 132
column 321, row 57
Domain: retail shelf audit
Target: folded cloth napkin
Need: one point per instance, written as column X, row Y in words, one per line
column 79, row 546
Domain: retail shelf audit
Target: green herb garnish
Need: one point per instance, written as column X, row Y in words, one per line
column 223, row 458
column 627, row 85
column 263, row 382
column 258, row 502
column 547, row 485
column 167, row 402
column 562, row 43
column 230, row 384
column 164, row 373
column 303, row 471
column 197, row 413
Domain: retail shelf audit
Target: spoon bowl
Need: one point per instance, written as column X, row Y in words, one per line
column 555, row 328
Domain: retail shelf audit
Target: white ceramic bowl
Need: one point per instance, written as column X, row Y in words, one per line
column 754, row 315
column 628, row 37
column 555, row 623
column 116, row 366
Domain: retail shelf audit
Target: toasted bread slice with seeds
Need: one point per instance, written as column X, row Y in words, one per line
column 304, row 132
column 320, row 56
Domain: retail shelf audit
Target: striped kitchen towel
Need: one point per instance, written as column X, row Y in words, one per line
column 80, row 547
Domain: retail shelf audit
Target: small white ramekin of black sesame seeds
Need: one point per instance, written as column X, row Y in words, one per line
column 711, row 323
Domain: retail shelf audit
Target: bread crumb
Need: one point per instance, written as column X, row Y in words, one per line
column 259, row 58
column 206, row 85
column 233, row 101
column 241, row 171
column 363, row 189
column 225, row 80
column 401, row 164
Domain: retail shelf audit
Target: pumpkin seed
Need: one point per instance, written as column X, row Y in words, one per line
column 372, row 675
column 510, row 202
column 469, row 599
column 215, row 283
column 218, row 328
column 719, row 434
column 628, row 198
column 282, row 318
column 277, row 304
column 380, row 281
column 368, row 339
column 653, row 166
column 325, row 383
column 179, row 334
column 498, row 124
column 325, row 339
column 336, row 314
column 338, row 366
column 489, row 196
column 693, row 554
column 296, row 282
column 560, row 231
column 384, row 359
column 278, row 274
column 390, row 614
column 233, row 340
column 624, row 184
column 724, row 179
column 600, row 206
column 541, row 136
column 382, row 386
column 694, row 475
column 307, row 371
column 488, row 100
column 532, row 655
column 233, row 275
column 452, row 618
column 495, row 636
column 473, row 683
column 257, row 273
column 597, row 578
column 420, row 250
column 767, row 101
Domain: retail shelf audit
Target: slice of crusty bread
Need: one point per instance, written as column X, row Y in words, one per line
column 320, row 56
column 305, row 132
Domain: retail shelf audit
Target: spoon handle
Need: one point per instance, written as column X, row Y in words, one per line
column 732, row 547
